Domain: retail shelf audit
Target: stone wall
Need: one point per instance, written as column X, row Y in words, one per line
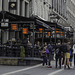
column 18, row 62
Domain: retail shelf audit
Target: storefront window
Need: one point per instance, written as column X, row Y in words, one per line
column 12, row 34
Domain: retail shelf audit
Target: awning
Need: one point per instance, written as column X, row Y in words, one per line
column 43, row 24
column 55, row 25
column 13, row 18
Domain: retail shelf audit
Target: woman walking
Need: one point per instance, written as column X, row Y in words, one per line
column 44, row 55
column 67, row 55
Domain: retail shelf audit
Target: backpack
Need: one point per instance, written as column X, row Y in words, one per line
column 67, row 48
column 47, row 51
column 49, row 47
column 57, row 51
column 64, row 48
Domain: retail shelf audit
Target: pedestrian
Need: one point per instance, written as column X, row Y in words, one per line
column 67, row 55
column 58, row 54
column 62, row 53
column 74, row 53
column 71, row 56
column 49, row 55
column 44, row 55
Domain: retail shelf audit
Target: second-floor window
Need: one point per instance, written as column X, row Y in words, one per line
column 26, row 9
column 21, row 7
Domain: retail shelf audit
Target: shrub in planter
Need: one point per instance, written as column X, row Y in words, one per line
column 22, row 53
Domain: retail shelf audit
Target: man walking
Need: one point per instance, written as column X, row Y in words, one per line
column 74, row 53
column 58, row 54
column 49, row 55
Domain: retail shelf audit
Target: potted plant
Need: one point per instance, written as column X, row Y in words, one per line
column 22, row 53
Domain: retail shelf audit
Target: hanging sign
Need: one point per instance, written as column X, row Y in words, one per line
column 14, row 26
column 25, row 30
column 61, row 33
column 49, row 33
column 57, row 31
column 40, row 29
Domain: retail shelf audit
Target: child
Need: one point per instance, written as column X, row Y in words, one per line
column 71, row 56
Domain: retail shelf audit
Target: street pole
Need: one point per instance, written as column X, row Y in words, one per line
column 42, row 37
column 33, row 41
column 55, row 36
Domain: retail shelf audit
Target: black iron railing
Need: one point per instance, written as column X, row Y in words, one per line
column 15, row 50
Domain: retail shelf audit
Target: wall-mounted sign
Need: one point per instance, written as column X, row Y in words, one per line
column 61, row 33
column 57, row 31
column 14, row 26
column 25, row 30
column 4, row 24
column 49, row 33
column 12, row 5
column 40, row 30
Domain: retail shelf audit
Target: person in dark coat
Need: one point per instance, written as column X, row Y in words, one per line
column 67, row 55
column 62, row 48
column 49, row 55
column 44, row 56
column 58, row 54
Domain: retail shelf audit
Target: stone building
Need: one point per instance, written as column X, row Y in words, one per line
column 59, row 11
column 22, row 9
column 71, row 16
column 28, row 8
column 71, row 12
column 41, row 9
column 25, row 8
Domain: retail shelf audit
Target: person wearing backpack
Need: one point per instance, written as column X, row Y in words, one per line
column 74, row 53
column 67, row 55
column 49, row 55
column 58, row 54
